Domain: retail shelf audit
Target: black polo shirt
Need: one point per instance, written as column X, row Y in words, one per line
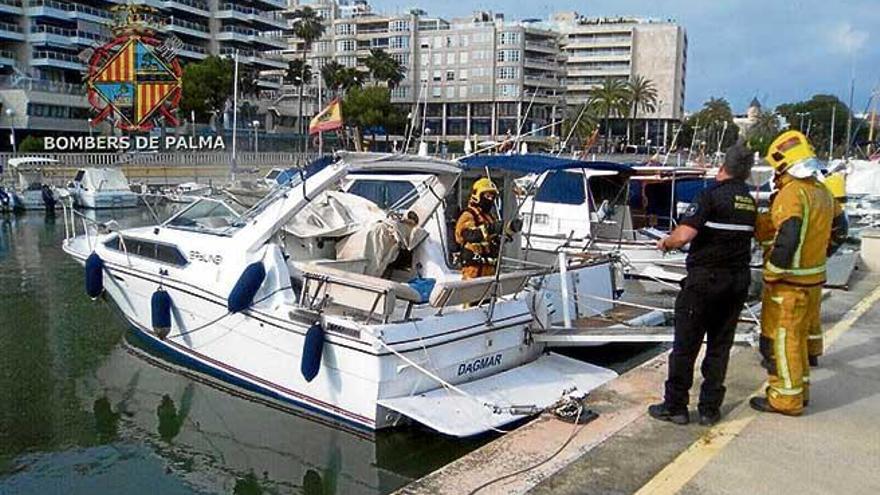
column 724, row 216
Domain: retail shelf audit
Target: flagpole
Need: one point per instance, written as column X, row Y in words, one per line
column 234, row 112
column 320, row 133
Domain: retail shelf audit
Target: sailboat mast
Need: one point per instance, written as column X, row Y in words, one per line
column 234, row 112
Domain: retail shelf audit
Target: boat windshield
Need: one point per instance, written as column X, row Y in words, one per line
column 274, row 195
column 206, row 215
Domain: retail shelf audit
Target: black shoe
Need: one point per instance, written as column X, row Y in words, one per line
column 763, row 405
column 709, row 418
column 814, row 361
column 663, row 413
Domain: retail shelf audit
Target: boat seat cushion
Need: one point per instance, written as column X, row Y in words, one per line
column 455, row 292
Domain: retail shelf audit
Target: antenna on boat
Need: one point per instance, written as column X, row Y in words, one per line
column 234, row 113
column 571, row 131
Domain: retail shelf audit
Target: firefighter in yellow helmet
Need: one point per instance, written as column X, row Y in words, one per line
column 797, row 237
column 478, row 231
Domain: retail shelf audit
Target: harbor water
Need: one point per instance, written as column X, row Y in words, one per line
column 84, row 410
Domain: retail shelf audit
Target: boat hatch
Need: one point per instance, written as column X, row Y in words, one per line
column 540, row 383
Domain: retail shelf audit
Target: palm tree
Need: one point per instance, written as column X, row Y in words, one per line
column 609, row 98
column 579, row 125
column 350, row 77
column 385, row 68
column 308, row 26
column 642, row 96
column 331, row 74
column 298, row 73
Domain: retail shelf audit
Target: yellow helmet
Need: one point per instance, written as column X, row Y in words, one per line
column 482, row 185
column 836, row 184
column 789, row 149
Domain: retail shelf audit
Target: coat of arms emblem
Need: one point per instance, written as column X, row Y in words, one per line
column 134, row 80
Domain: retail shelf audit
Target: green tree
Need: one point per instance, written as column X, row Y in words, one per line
column 579, row 123
column 384, row 68
column 308, row 26
column 298, row 74
column 816, row 114
column 31, row 144
column 369, row 108
column 206, row 85
column 642, row 96
column 763, row 132
column 712, row 125
column 611, row 98
column 331, row 73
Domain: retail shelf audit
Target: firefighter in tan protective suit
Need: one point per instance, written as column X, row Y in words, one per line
column 478, row 231
column 797, row 236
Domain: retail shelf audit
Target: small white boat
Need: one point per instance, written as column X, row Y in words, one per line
column 33, row 190
column 98, row 188
column 336, row 294
column 188, row 192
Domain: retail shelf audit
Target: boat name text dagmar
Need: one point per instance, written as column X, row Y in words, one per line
column 479, row 364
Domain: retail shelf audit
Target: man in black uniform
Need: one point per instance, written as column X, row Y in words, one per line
column 719, row 227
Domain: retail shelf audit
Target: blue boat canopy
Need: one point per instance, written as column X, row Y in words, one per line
column 538, row 163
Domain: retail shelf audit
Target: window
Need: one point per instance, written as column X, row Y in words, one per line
column 562, row 187
column 349, row 61
column 463, row 57
column 450, row 91
column 438, row 41
column 463, row 92
column 423, row 61
column 401, row 58
column 163, row 253
column 345, row 29
column 400, row 92
column 436, row 92
column 508, row 90
column 436, row 75
column 438, row 58
column 398, row 42
column 450, row 75
column 385, row 194
column 508, row 56
column 463, row 41
column 463, row 74
column 450, row 58
column 398, row 25
column 509, row 38
column 508, row 72
column 346, row 45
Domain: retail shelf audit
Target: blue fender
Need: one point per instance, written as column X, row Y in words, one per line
column 160, row 307
column 94, row 275
column 313, row 348
column 242, row 295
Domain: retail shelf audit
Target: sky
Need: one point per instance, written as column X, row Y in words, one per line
column 778, row 50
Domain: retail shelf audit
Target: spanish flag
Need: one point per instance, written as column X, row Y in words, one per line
column 329, row 119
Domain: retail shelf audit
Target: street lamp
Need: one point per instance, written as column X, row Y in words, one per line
column 256, row 125
column 11, row 113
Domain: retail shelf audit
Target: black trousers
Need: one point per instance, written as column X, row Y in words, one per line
column 708, row 306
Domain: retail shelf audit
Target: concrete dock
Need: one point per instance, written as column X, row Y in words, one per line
column 833, row 448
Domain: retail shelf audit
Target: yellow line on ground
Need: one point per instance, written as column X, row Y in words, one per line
column 674, row 476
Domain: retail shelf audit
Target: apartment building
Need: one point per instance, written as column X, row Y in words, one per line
column 597, row 48
column 40, row 41
column 477, row 75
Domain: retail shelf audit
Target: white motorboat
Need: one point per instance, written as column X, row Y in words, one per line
column 188, row 192
column 335, row 294
column 98, row 188
column 33, row 190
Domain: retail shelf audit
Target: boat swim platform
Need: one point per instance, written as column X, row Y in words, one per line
column 624, row 451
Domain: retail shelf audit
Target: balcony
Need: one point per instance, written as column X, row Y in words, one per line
column 11, row 7
column 50, row 35
column 273, row 4
column 254, row 57
column 189, row 28
column 43, row 85
column 228, row 10
column 10, row 32
column 542, row 82
column 61, row 60
column 544, row 64
column 67, row 11
column 197, row 7
column 541, row 46
column 8, row 58
column 191, row 51
column 248, row 35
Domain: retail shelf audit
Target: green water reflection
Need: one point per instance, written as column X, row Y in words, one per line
column 81, row 411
